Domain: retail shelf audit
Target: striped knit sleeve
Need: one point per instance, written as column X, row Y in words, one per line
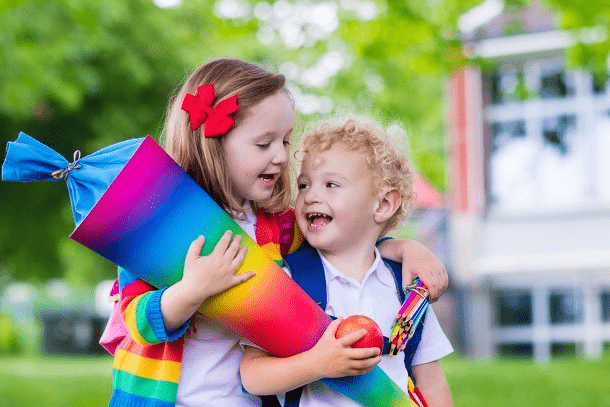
column 290, row 236
column 141, row 311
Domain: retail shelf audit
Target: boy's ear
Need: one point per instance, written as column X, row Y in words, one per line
column 387, row 205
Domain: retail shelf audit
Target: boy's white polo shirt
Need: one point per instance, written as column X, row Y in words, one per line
column 375, row 297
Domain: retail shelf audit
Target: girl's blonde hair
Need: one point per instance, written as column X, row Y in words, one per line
column 203, row 158
column 384, row 152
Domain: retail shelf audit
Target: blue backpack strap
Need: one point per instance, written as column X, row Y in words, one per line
column 396, row 269
column 411, row 347
column 270, row 401
column 307, row 271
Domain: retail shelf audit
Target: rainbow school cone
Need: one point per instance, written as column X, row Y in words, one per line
column 145, row 221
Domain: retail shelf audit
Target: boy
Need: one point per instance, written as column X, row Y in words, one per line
column 354, row 186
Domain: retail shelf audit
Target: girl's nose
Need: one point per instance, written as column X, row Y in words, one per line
column 281, row 155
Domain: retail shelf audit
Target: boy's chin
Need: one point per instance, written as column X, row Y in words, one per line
column 317, row 242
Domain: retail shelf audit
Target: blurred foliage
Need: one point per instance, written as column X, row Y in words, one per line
column 82, row 74
column 590, row 23
column 9, row 343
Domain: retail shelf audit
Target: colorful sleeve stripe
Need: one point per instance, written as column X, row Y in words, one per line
column 122, row 399
column 168, row 351
column 144, row 320
column 154, row 320
column 130, row 317
column 139, row 386
column 297, row 240
column 155, row 369
column 266, row 229
column 290, row 236
column 136, row 288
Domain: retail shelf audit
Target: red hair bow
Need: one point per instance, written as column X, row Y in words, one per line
column 216, row 118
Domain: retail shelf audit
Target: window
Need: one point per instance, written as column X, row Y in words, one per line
column 566, row 307
column 546, row 151
column 529, row 170
column 507, row 85
column 503, row 132
column 605, row 302
column 556, row 85
column 519, row 350
column 513, row 308
column 563, row 349
column 598, row 84
column 556, row 131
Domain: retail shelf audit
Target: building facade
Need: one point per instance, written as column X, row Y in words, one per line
column 529, row 154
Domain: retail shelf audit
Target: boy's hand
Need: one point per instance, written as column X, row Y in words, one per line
column 205, row 276
column 417, row 261
column 336, row 358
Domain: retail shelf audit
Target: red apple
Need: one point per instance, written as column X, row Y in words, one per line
column 373, row 337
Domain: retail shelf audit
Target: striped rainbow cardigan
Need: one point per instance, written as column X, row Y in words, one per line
column 147, row 361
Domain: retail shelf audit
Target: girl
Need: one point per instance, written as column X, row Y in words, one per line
column 229, row 127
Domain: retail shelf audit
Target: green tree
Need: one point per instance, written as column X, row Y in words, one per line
column 82, row 75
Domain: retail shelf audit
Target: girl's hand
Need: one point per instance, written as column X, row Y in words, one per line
column 336, row 358
column 205, row 276
column 417, row 261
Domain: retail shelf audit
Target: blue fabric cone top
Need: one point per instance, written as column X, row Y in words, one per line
column 27, row 160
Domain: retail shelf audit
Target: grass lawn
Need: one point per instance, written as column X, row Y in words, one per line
column 86, row 382
column 36, row 381
column 568, row 382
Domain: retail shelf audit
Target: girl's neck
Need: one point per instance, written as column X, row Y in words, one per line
column 353, row 262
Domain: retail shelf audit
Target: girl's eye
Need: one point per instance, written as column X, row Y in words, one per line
column 331, row 185
column 302, row 186
column 263, row 146
column 286, row 142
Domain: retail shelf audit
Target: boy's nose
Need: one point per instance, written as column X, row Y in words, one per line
column 311, row 196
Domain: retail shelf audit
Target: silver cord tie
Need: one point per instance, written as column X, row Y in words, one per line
column 74, row 165
column 421, row 291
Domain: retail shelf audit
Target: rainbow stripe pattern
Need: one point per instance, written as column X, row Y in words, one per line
column 145, row 222
column 146, row 374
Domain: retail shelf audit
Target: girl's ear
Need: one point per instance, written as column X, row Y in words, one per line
column 387, row 205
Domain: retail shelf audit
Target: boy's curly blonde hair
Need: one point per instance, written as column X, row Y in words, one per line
column 384, row 152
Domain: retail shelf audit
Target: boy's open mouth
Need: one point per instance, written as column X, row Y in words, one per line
column 317, row 220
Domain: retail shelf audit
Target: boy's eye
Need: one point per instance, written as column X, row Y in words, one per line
column 331, row 185
column 263, row 146
column 286, row 142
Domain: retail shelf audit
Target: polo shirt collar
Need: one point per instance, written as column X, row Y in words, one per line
column 378, row 268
